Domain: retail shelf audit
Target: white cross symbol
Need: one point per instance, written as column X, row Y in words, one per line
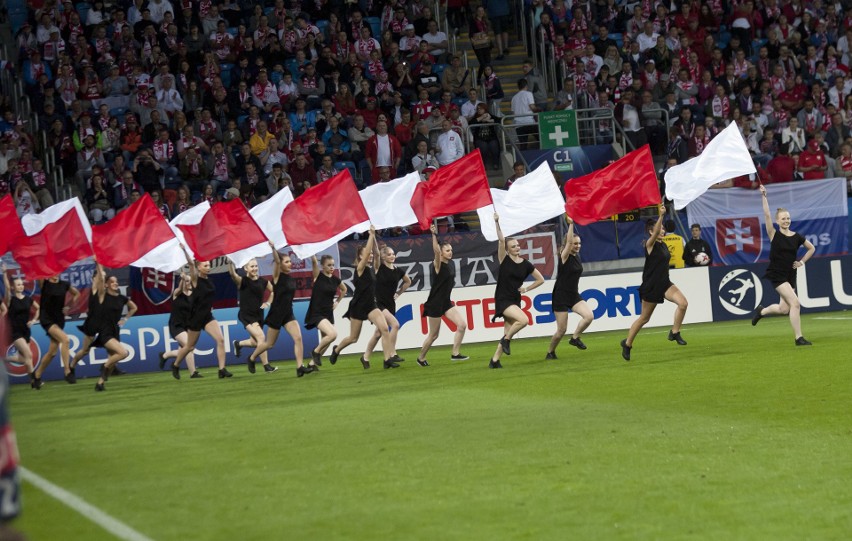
column 741, row 235
column 558, row 136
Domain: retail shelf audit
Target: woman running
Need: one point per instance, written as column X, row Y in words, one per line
column 20, row 306
column 89, row 327
column 108, row 323
column 252, row 288
column 514, row 270
column 178, row 320
column 656, row 286
column 281, row 310
column 784, row 246
column 388, row 290
column 363, row 306
column 320, row 313
column 52, row 319
column 566, row 293
column 438, row 303
column 202, row 318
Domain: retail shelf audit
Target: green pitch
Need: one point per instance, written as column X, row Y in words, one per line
column 739, row 435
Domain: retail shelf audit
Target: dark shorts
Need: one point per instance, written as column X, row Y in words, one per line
column 566, row 301
column 436, row 310
column 105, row 335
column 655, row 293
column 276, row 320
column 314, row 320
column 390, row 307
column 46, row 324
column 199, row 321
column 246, row 321
column 776, row 279
column 175, row 330
column 21, row 333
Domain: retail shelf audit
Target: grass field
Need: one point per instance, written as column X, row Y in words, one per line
column 739, row 435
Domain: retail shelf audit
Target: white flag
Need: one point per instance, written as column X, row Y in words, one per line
column 268, row 218
column 168, row 257
column 389, row 203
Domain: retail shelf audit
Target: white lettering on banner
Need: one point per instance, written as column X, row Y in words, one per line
column 837, row 284
column 823, row 239
column 805, row 299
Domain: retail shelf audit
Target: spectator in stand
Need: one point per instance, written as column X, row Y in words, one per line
column 302, row 174
column 836, row 134
column 382, row 150
column 812, row 162
column 518, row 170
column 696, row 246
column 38, row 183
column 485, row 136
column 450, row 146
column 535, row 83
column 99, row 199
column 793, row 136
column 524, row 109
column 87, row 158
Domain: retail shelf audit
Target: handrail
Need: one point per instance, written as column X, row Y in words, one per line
column 522, row 21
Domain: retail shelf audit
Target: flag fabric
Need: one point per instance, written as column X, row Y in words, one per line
column 627, row 184
column 53, row 240
column 12, row 227
column 461, row 186
column 133, row 233
column 168, row 257
column 267, row 215
column 530, row 200
column 389, row 203
column 324, row 214
column 225, row 228
column 725, row 157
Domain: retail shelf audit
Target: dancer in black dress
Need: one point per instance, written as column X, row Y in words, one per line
column 514, row 270
column 784, row 247
column 281, row 310
column 252, row 288
column 89, row 327
column 20, row 306
column 566, row 293
column 178, row 320
column 388, row 290
column 363, row 305
column 202, row 318
column 656, row 286
column 52, row 319
column 438, row 303
column 320, row 313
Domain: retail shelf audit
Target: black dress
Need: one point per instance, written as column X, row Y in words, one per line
column 251, row 300
column 322, row 300
column 93, row 315
column 509, row 280
column 782, row 255
column 387, row 282
column 52, row 303
column 202, row 304
column 655, row 275
column 19, row 315
column 181, row 314
column 439, row 302
column 109, row 315
column 281, row 311
column 364, row 298
column 566, row 290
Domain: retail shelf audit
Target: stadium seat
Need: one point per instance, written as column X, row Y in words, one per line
column 353, row 170
column 17, row 20
column 376, row 26
column 225, row 74
column 233, row 30
column 438, row 69
column 83, row 10
column 323, row 26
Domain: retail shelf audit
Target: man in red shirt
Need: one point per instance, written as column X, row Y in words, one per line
column 382, row 150
column 812, row 162
column 781, row 168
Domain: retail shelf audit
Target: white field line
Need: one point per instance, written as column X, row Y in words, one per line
column 89, row 511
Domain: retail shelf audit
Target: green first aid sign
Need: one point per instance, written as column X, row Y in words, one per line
column 558, row 129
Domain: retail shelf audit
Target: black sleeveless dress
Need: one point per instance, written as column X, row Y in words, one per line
column 364, row 298
column 281, row 311
column 202, row 304
column 387, row 282
column 782, row 255
column 52, row 303
column 655, row 275
column 439, row 302
column 251, row 300
column 19, row 315
column 509, row 280
column 322, row 300
column 181, row 314
column 566, row 290
column 110, row 314
column 93, row 316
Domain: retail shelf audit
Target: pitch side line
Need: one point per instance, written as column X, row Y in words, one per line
column 105, row 521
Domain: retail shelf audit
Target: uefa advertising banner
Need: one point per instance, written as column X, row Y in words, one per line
column 731, row 219
column 824, row 284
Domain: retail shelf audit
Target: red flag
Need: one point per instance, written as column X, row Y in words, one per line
column 54, row 240
column 133, row 233
column 11, row 224
column 324, row 211
column 629, row 183
column 227, row 227
column 458, row 187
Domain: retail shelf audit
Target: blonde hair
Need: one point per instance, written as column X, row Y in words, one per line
column 780, row 210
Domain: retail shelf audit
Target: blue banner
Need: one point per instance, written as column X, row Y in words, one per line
column 570, row 162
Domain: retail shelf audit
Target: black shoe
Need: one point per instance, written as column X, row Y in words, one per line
column 223, row 373
column 504, row 343
column 422, row 362
column 800, row 341
column 302, row 370
column 551, row 356
column 317, row 358
column 72, row 376
column 577, row 343
column 313, row 368
column 162, row 360
column 365, row 363
column 269, row 368
column 116, row 371
column 195, row 375
column 251, row 366
column 37, row 384
column 625, row 350
column 494, row 364
column 757, row 316
column 397, row 359
column 459, row 357
column 391, row 364
column 334, row 354
column 675, row 337
column 176, row 371
column 99, row 387
column 238, row 349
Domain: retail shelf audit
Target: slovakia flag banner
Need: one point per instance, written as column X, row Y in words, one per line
column 731, row 219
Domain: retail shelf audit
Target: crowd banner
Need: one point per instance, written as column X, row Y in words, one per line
column 731, row 220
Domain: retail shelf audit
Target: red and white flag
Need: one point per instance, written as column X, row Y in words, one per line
column 131, row 235
column 53, row 240
column 389, row 203
column 223, row 229
column 267, row 215
column 461, row 186
column 12, row 228
column 323, row 215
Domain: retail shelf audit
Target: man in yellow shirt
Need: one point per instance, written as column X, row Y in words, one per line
column 259, row 142
column 675, row 245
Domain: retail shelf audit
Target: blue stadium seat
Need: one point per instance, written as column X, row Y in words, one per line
column 376, row 26
column 233, row 30
column 438, row 69
column 225, row 74
column 83, row 9
column 353, row 170
column 323, row 26
column 17, row 20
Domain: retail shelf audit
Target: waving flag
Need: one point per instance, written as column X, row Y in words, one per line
column 12, row 228
column 530, row 200
column 461, row 186
column 133, row 233
column 628, row 184
column 725, row 157
column 224, row 228
column 389, row 203
column 54, row 240
column 267, row 215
